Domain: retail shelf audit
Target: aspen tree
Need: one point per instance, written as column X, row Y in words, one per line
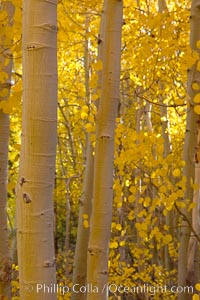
column 100, row 224
column 35, row 214
column 80, row 259
column 5, row 55
column 193, row 247
column 193, row 270
column 190, row 145
column 162, row 7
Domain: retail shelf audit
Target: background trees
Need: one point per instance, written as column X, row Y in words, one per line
column 151, row 211
column 6, row 13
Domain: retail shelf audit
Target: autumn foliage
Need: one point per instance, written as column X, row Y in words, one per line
column 158, row 88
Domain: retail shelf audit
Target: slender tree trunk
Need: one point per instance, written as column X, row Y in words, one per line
column 5, row 259
column 35, row 216
column 193, row 248
column 189, row 150
column 167, row 150
column 98, row 249
column 162, row 5
column 80, row 259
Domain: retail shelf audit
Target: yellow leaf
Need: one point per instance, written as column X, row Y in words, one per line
column 147, row 202
column 195, row 86
column 85, row 216
column 119, row 205
column 113, row 245
column 4, row 93
column 131, row 216
column 197, row 109
column 17, row 146
column 131, row 198
column 198, row 66
column 198, row 44
column 85, row 108
column 85, row 224
column 3, row 15
column 84, row 115
column 3, row 76
column 176, row 173
column 195, row 297
column 17, row 87
column 98, row 65
column 168, row 238
column 163, row 189
column 197, row 286
column 169, row 208
column 181, row 204
column 93, row 80
column 191, row 206
column 180, row 193
column 166, row 227
column 197, row 98
column 113, row 225
column 165, row 212
column 179, row 101
column 89, row 127
column 122, row 243
column 16, row 3
column 91, row 118
column 127, row 183
column 18, row 14
column 119, row 227
column 95, row 97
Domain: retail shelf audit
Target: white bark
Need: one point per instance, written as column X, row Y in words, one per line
column 100, row 225
column 35, row 216
column 189, row 150
column 80, row 259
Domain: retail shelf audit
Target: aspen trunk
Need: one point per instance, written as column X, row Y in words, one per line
column 5, row 262
column 35, row 214
column 80, row 259
column 100, row 227
column 167, row 150
column 5, row 259
column 193, row 248
column 162, row 7
column 189, row 150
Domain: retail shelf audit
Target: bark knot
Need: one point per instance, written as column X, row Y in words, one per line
column 93, row 251
column 30, row 47
column 22, row 181
column 104, row 272
column 48, row 264
column 103, row 137
column 26, row 198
